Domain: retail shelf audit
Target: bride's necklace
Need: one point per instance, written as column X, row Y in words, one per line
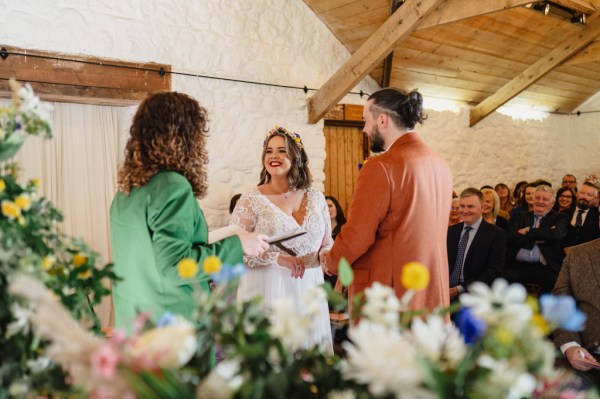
column 285, row 194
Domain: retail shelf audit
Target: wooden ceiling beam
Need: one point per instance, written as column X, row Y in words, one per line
column 584, row 6
column 590, row 53
column 411, row 16
column 372, row 52
column 529, row 76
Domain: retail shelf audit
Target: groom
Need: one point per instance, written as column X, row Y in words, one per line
column 400, row 208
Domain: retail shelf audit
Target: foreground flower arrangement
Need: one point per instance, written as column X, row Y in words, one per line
column 496, row 349
column 31, row 243
column 50, row 343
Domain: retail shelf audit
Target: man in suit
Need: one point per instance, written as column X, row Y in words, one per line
column 535, row 243
column 580, row 278
column 476, row 249
column 584, row 217
column 400, row 208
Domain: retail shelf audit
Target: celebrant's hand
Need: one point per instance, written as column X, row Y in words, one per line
column 253, row 244
column 295, row 264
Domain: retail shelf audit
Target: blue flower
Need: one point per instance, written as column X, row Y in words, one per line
column 562, row 311
column 228, row 272
column 471, row 327
column 167, row 319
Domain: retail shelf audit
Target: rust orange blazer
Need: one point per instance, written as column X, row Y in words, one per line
column 399, row 213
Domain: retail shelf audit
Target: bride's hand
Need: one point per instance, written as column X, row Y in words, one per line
column 253, row 244
column 295, row 264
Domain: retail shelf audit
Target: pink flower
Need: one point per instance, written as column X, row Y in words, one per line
column 105, row 361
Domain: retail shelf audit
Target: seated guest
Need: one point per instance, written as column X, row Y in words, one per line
column 454, row 217
column 506, row 202
column 570, row 181
column 476, row 248
column 336, row 214
column 526, row 202
column 491, row 207
column 565, row 200
column 584, row 217
column 579, row 279
column 534, row 243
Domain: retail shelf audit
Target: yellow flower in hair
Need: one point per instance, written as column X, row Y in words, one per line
column 23, row 201
column 2, row 185
column 48, row 262
column 10, row 209
column 187, row 268
column 211, row 265
column 79, row 259
column 414, row 276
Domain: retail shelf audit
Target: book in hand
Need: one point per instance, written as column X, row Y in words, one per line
column 232, row 230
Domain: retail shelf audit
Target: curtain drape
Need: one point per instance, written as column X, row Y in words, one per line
column 78, row 170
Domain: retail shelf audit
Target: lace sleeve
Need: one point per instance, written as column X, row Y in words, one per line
column 245, row 216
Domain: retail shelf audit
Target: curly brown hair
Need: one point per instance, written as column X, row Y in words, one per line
column 168, row 133
column 299, row 176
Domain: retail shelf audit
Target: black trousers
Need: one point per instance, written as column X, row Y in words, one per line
column 531, row 273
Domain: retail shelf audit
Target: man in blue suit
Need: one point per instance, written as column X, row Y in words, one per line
column 476, row 249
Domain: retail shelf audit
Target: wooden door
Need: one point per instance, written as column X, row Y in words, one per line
column 346, row 148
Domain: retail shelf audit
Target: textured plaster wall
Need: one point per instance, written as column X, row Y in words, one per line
column 502, row 149
column 272, row 41
column 283, row 42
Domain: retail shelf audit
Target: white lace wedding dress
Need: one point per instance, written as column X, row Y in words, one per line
column 265, row 277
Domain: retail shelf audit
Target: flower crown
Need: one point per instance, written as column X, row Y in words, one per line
column 278, row 129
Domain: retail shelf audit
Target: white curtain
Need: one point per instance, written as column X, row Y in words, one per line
column 78, row 170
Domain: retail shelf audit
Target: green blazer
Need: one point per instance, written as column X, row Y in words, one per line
column 152, row 229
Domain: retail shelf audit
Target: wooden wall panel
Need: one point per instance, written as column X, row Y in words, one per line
column 345, row 150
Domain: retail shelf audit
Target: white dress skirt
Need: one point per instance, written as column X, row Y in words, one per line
column 265, row 277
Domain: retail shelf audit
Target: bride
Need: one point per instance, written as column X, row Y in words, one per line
column 285, row 201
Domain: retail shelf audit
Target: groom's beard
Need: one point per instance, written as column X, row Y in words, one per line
column 377, row 144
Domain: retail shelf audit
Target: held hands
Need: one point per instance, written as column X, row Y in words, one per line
column 253, row 244
column 295, row 264
column 324, row 263
column 578, row 356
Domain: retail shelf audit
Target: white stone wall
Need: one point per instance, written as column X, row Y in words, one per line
column 271, row 41
column 282, row 42
column 502, row 149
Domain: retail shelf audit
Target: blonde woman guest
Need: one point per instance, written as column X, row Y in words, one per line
column 491, row 207
column 506, row 202
column 454, row 212
column 286, row 201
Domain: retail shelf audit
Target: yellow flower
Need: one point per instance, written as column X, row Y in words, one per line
column 2, row 185
column 415, row 276
column 540, row 323
column 23, row 201
column 533, row 303
column 187, row 268
column 48, row 262
column 36, row 182
column 10, row 209
column 21, row 221
column 85, row 275
column 79, row 259
column 504, row 336
column 211, row 265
